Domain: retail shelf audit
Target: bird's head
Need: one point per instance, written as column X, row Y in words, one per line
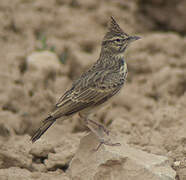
column 116, row 40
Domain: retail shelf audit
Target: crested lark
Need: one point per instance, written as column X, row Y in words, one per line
column 96, row 86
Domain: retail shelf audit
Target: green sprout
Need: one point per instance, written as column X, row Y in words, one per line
column 63, row 57
column 44, row 46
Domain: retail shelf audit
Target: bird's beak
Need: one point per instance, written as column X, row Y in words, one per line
column 133, row 38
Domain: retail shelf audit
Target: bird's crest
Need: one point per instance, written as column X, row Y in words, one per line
column 114, row 29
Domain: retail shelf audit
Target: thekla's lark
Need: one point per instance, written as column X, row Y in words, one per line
column 97, row 85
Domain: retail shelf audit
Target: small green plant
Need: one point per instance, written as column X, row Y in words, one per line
column 63, row 57
column 44, row 46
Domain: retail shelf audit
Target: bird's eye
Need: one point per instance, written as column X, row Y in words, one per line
column 118, row 40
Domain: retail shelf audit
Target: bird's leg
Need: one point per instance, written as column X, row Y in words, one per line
column 99, row 130
column 102, row 139
column 106, row 143
column 99, row 125
column 99, row 145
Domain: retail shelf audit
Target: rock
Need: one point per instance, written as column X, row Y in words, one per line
column 54, row 152
column 181, row 173
column 44, row 70
column 39, row 167
column 7, row 124
column 46, row 61
column 180, row 167
column 43, row 60
column 119, row 162
column 15, row 173
column 15, row 154
column 41, row 150
column 63, row 153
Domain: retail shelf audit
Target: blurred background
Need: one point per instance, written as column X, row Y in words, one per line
column 45, row 45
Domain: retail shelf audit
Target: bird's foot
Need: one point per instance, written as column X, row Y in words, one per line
column 101, row 132
column 102, row 141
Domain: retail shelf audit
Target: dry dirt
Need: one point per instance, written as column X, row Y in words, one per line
column 150, row 111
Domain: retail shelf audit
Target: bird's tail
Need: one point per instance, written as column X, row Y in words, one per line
column 43, row 128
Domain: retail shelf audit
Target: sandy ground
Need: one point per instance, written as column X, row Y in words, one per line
column 150, row 111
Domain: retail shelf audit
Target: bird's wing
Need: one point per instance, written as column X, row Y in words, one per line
column 91, row 90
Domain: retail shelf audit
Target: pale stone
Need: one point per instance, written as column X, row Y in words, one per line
column 177, row 163
column 63, row 152
column 15, row 173
column 43, row 60
column 15, row 154
column 117, row 163
column 41, row 149
column 56, row 150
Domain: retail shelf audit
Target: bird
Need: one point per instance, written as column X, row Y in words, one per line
column 96, row 86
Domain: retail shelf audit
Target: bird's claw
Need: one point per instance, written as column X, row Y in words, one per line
column 105, row 143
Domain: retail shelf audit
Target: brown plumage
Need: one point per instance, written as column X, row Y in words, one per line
column 97, row 85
